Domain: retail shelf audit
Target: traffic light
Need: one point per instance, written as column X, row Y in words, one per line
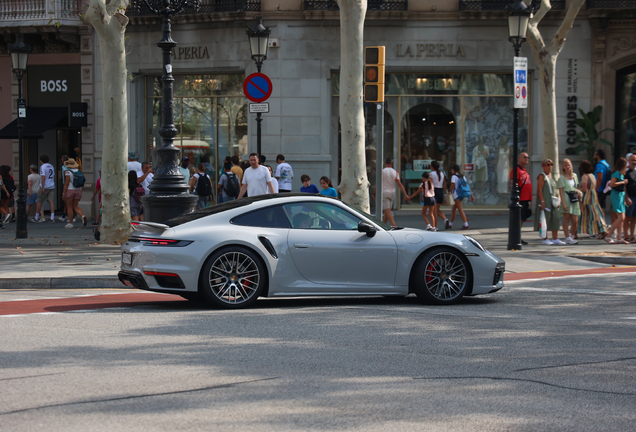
column 374, row 74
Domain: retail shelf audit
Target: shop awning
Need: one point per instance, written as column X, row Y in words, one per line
column 38, row 121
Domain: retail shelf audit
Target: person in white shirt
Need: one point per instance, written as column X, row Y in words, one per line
column 256, row 179
column 72, row 195
column 185, row 161
column 274, row 181
column 439, row 182
column 133, row 165
column 145, row 176
column 284, row 174
column 47, row 191
column 203, row 200
column 389, row 178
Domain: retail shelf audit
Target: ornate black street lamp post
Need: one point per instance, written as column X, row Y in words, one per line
column 518, row 17
column 169, row 196
column 19, row 57
column 258, row 37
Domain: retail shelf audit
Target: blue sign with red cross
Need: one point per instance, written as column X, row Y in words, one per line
column 257, row 87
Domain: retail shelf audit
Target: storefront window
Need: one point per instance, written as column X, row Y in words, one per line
column 463, row 119
column 626, row 112
column 210, row 114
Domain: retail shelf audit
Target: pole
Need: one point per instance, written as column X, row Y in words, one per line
column 21, row 225
column 259, row 119
column 514, row 223
column 379, row 160
column 169, row 196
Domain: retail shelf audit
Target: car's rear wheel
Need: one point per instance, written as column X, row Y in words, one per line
column 232, row 277
column 441, row 276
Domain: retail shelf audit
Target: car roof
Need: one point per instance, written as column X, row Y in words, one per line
column 234, row 204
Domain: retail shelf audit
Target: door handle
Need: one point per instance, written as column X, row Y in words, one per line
column 302, row 245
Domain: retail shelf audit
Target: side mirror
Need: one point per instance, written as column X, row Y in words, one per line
column 366, row 227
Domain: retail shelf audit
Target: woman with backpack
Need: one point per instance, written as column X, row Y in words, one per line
column 427, row 199
column 460, row 190
column 202, row 185
column 73, row 191
column 135, row 192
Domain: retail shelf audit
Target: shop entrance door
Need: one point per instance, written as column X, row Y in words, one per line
column 429, row 133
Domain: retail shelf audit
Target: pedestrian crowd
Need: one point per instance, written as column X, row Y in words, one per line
column 577, row 206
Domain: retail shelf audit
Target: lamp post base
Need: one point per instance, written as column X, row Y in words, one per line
column 514, row 226
column 160, row 208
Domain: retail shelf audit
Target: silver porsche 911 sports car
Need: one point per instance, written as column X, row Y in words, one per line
column 301, row 245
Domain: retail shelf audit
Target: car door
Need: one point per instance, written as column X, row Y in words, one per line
column 327, row 248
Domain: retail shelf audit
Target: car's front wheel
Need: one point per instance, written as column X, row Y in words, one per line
column 232, row 277
column 441, row 276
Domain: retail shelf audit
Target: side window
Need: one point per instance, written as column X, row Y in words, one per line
column 270, row 217
column 321, row 216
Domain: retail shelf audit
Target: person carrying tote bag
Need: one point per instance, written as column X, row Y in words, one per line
column 570, row 197
column 548, row 202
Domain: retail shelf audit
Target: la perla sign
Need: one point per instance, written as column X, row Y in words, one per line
column 430, row 50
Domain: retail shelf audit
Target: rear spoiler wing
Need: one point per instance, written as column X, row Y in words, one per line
column 148, row 227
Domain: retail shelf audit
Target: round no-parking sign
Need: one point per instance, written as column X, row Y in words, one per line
column 257, row 87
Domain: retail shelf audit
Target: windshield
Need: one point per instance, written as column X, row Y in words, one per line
column 382, row 225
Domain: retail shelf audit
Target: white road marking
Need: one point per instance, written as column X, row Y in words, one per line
column 577, row 291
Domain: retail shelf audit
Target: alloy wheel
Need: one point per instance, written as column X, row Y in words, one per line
column 445, row 276
column 234, row 277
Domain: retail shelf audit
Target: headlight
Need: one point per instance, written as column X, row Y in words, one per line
column 476, row 243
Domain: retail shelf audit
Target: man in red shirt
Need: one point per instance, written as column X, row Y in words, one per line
column 525, row 188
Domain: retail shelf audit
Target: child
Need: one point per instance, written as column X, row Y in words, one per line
column 456, row 179
column 308, row 187
column 427, row 199
column 327, row 187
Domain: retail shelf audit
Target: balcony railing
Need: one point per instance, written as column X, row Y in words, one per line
column 139, row 8
column 372, row 5
column 500, row 5
column 19, row 12
column 611, row 4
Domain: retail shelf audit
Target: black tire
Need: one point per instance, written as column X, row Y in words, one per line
column 232, row 278
column 441, row 276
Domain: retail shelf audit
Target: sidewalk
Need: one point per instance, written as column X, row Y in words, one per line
column 56, row 257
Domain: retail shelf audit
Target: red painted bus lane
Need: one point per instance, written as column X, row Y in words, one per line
column 509, row 277
column 104, row 301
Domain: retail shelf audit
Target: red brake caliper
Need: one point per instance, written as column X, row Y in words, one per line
column 429, row 270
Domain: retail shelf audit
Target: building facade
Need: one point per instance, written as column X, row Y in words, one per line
column 449, row 90
column 58, row 83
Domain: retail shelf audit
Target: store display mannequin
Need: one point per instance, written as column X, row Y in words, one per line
column 503, row 167
column 480, row 155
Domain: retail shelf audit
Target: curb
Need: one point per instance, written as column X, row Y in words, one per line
column 626, row 261
column 62, row 282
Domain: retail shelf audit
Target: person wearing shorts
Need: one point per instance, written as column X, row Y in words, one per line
column 72, row 195
column 389, row 178
column 47, row 191
column 33, row 182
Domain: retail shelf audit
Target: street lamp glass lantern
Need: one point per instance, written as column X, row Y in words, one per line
column 19, row 54
column 518, row 17
column 258, row 37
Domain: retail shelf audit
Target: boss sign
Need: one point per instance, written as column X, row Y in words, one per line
column 53, row 86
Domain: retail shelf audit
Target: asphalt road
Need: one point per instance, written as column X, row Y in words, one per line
column 541, row 355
